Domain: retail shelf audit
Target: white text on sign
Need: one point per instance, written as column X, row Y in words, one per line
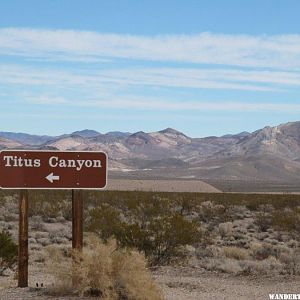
column 54, row 162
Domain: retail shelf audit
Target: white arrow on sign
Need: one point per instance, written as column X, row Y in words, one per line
column 52, row 177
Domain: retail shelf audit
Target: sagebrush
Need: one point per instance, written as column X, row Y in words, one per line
column 8, row 251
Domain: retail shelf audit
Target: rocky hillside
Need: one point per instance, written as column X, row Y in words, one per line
column 268, row 154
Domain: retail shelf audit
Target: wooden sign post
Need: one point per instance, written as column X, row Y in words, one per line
column 23, row 239
column 51, row 170
column 77, row 228
column 77, row 220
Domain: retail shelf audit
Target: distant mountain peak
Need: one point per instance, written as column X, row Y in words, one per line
column 140, row 138
column 170, row 130
column 118, row 134
column 86, row 133
column 139, row 133
column 240, row 135
column 243, row 133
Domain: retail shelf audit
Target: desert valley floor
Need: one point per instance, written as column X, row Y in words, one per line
column 192, row 281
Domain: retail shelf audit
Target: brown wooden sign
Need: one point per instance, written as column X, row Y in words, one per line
column 52, row 170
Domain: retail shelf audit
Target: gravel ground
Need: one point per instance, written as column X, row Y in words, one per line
column 179, row 284
column 196, row 284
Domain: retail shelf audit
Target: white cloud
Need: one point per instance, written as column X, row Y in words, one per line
column 157, row 104
column 204, row 78
column 163, row 77
column 278, row 51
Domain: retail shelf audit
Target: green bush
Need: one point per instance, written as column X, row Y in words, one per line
column 8, row 251
column 214, row 214
column 152, row 228
column 105, row 222
column 161, row 239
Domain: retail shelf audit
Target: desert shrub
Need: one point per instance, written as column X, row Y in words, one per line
column 105, row 221
column 229, row 266
column 8, row 252
column 36, row 223
column 263, row 220
column 153, row 229
column 225, row 265
column 186, row 203
column 291, row 262
column 50, row 204
column 262, row 251
column 166, row 235
column 6, row 195
column 214, row 214
column 287, row 220
column 2, row 199
column 225, row 229
column 103, row 270
column 133, row 278
column 235, row 253
column 266, row 267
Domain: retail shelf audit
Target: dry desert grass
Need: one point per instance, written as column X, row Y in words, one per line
column 101, row 270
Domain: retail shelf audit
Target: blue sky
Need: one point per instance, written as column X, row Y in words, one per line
column 202, row 67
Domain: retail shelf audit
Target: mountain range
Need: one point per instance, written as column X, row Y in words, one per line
column 268, row 154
